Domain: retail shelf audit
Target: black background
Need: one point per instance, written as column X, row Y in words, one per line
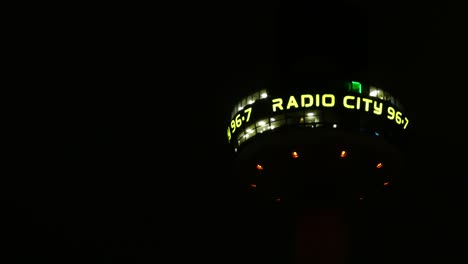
column 118, row 116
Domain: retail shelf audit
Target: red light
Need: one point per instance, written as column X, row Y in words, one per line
column 379, row 165
column 343, row 154
column 386, row 183
column 295, row 155
column 259, row 167
column 253, row 185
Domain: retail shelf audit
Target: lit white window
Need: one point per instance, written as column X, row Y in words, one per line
column 373, row 91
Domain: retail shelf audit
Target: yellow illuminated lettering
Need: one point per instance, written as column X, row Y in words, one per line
column 327, row 100
column 398, row 118
column 277, row 103
column 332, row 100
column 292, row 102
column 345, row 101
column 378, row 108
column 233, row 126
column 248, row 111
column 366, row 102
column 391, row 113
column 358, row 103
column 303, row 100
column 238, row 120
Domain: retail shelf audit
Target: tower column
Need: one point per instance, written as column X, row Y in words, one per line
column 321, row 237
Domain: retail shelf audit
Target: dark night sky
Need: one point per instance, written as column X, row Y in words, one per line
column 119, row 151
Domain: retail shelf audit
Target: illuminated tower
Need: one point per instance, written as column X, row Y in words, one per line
column 319, row 150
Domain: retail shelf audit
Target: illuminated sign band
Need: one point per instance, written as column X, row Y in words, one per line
column 348, row 101
column 364, row 106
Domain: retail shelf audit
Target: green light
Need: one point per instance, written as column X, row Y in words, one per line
column 356, row 87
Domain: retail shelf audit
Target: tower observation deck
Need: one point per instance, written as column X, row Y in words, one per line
column 320, row 144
